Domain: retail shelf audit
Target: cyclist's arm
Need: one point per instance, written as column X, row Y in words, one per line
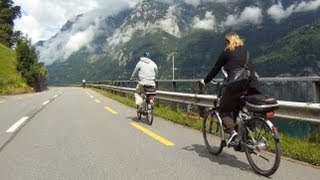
column 135, row 71
column 216, row 68
column 156, row 69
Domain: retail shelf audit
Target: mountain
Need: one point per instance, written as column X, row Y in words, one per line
column 282, row 37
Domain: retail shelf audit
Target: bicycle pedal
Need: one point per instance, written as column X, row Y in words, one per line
column 233, row 144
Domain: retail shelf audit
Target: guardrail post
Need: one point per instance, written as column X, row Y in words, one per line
column 174, row 86
column 316, row 97
column 174, row 89
column 201, row 91
column 316, row 91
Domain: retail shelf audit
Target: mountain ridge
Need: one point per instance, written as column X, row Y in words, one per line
column 194, row 33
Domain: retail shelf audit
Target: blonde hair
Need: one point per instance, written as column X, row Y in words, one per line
column 233, row 41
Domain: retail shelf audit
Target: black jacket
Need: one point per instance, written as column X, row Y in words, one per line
column 230, row 60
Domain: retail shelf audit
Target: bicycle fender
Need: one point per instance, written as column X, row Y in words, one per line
column 273, row 128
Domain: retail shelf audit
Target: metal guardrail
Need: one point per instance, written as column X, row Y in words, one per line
column 314, row 80
column 306, row 112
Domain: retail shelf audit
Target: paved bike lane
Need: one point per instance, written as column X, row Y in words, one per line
column 76, row 137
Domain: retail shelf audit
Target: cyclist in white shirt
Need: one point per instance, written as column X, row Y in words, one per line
column 146, row 71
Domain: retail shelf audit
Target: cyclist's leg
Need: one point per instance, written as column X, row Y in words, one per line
column 226, row 107
column 137, row 95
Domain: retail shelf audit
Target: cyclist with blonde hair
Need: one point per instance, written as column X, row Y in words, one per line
column 232, row 60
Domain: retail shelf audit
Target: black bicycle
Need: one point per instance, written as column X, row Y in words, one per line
column 147, row 106
column 257, row 136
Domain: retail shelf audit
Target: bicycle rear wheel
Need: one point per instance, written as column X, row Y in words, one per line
column 213, row 133
column 139, row 114
column 265, row 157
column 149, row 113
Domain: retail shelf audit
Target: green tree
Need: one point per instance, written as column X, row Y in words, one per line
column 28, row 65
column 8, row 13
column 26, row 56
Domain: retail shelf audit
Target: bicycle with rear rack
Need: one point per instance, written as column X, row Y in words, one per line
column 147, row 105
column 257, row 136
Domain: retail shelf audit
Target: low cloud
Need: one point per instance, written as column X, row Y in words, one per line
column 278, row 13
column 207, row 23
column 79, row 40
column 124, row 36
column 67, row 42
column 83, row 28
column 196, row 3
column 48, row 15
column 249, row 16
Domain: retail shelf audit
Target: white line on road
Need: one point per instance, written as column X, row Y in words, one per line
column 17, row 124
column 55, row 96
column 45, row 103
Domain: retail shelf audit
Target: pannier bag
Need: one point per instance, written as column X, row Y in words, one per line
column 261, row 103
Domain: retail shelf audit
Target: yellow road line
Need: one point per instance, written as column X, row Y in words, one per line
column 97, row 101
column 152, row 134
column 111, row 110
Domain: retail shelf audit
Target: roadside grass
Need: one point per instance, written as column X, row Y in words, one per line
column 10, row 81
column 293, row 147
column 300, row 149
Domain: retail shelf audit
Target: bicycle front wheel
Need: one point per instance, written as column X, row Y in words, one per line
column 213, row 133
column 265, row 154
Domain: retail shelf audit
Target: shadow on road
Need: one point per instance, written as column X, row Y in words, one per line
column 142, row 120
column 223, row 158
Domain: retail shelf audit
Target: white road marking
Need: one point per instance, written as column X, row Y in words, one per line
column 45, row 103
column 55, row 96
column 17, row 124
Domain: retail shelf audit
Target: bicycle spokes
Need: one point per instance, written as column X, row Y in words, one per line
column 261, row 143
column 212, row 134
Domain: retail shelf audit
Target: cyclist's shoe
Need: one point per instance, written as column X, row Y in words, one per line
column 238, row 147
column 232, row 141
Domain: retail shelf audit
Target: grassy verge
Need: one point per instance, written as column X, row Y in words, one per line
column 10, row 81
column 295, row 148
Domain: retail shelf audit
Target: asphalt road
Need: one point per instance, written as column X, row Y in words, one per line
column 75, row 133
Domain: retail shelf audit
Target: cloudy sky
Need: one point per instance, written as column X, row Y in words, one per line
column 41, row 19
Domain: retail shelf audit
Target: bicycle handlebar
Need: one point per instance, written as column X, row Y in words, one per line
column 214, row 82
